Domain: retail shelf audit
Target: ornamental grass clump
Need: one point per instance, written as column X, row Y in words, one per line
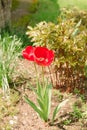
column 9, row 52
column 68, row 39
column 43, row 57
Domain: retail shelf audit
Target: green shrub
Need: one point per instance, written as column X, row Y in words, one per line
column 33, row 6
column 22, row 22
column 47, row 10
column 15, row 4
column 19, row 28
column 68, row 39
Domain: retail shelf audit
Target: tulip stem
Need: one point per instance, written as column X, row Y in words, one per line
column 43, row 80
column 37, row 76
column 50, row 75
column 43, row 76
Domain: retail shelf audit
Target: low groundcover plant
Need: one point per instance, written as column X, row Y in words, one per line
column 43, row 57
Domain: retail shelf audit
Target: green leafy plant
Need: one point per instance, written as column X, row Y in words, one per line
column 9, row 52
column 81, row 95
column 77, row 113
column 67, row 121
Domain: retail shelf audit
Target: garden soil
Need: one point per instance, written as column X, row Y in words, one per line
column 27, row 118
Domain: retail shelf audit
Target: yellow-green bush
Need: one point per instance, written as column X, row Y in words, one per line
column 68, row 39
column 76, row 15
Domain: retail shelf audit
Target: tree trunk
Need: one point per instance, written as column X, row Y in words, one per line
column 5, row 13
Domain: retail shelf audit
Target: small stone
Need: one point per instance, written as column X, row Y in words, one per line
column 24, row 122
column 15, row 117
column 11, row 122
column 25, row 114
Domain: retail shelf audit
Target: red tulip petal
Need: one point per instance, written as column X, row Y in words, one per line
column 43, row 56
column 28, row 53
column 41, row 52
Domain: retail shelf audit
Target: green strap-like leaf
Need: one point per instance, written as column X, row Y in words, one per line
column 33, row 106
column 55, row 112
column 41, row 104
column 47, row 100
column 37, row 109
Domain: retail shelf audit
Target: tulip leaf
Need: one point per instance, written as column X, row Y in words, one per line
column 47, row 99
column 44, row 99
column 34, row 106
column 39, row 90
column 55, row 112
column 58, row 108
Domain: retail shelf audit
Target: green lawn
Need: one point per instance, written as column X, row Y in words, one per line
column 82, row 4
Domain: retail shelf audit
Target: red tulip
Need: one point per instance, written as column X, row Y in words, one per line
column 28, row 53
column 43, row 56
